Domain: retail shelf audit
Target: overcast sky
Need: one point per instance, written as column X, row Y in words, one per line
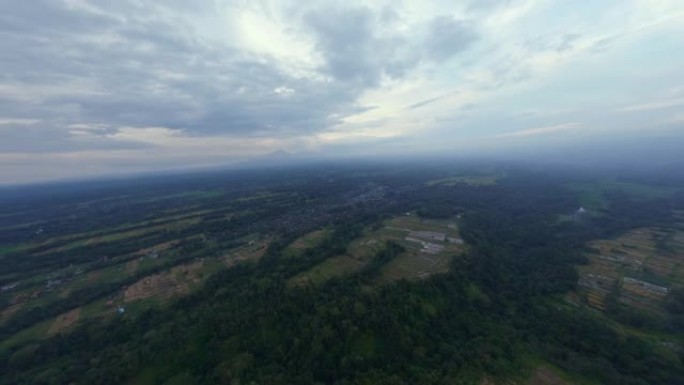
column 92, row 87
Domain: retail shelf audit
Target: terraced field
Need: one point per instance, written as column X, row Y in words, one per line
column 639, row 267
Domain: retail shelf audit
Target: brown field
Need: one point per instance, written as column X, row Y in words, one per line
column 176, row 281
column 64, row 321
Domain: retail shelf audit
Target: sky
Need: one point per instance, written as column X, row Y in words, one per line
column 100, row 87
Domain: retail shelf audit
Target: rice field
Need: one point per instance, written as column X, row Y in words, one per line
column 641, row 266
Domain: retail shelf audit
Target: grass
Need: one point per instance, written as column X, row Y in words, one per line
column 199, row 194
column 543, row 372
column 4, row 250
column 330, row 268
column 146, row 376
column 33, row 333
column 119, row 236
column 95, row 308
column 594, row 195
column 305, row 242
column 259, row 195
column 118, row 232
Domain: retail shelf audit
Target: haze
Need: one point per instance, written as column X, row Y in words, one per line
column 91, row 88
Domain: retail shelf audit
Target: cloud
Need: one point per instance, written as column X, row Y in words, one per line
column 538, row 131
column 17, row 122
column 654, row 105
column 448, row 37
column 142, row 77
column 478, row 5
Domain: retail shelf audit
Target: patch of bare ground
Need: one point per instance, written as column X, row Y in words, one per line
column 158, row 248
column 541, row 376
column 64, row 321
column 546, row 376
column 176, row 281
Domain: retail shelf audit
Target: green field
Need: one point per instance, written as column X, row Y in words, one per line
column 594, row 196
column 413, row 264
column 470, row 180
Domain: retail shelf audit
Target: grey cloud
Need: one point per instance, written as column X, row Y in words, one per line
column 41, row 138
column 479, row 5
column 356, row 50
column 550, row 42
column 353, row 49
column 139, row 64
column 448, row 37
column 424, row 102
column 567, row 42
column 147, row 71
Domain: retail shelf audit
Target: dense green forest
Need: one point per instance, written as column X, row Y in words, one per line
column 498, row 309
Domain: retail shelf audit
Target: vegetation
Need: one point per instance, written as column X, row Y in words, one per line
column 499, row 311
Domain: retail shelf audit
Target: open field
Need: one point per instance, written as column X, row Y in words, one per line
column 641, row 266
column 114, row 233
column 331, row 267
column 170, row 283
column 252, row 251
column 429, row 246
column 307, row 241
column 594, row 196
column 35, row 332
column 64, row 321
column 119, row 236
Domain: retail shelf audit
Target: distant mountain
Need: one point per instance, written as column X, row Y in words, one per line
column 277, row 155
column 277, row 158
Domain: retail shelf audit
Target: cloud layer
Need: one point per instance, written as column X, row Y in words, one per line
column 134, row 85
